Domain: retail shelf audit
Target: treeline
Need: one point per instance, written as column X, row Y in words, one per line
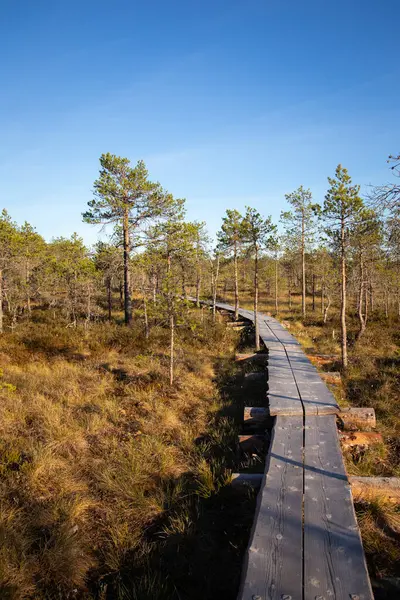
column 343, row 252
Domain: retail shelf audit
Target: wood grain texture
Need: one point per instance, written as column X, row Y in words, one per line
column 334, row 562
column 273, row 564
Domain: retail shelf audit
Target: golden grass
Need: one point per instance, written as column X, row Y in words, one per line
column 96, row 448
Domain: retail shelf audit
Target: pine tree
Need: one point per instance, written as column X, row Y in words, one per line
column 299, row 225
column 125, row 197
column 230, row 240
column 342, row 207
column 257, row 234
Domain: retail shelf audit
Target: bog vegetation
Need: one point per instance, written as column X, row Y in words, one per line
column 117, row 416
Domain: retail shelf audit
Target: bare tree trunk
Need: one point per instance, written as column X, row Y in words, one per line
column 236, row 282
column 322, row 296
column 290, row 293
column 127, row 282
column 303, row 267
column 360, row 301
column 343, row 302
column 371, row 296
column 257, row 333
column 327, row 307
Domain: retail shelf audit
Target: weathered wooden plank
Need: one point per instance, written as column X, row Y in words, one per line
column 334, row 562
column 283, row 395
column 273, row 565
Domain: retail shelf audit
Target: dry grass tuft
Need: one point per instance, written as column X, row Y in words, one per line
column 102, row 464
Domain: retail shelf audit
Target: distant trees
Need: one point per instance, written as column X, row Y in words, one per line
column 348, row 259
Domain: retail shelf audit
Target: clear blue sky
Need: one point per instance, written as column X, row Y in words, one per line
column 228, row 102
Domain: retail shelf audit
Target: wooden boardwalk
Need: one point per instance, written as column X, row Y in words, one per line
column 305, row 543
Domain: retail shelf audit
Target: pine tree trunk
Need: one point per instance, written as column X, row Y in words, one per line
column 290, row 293
column 172, row 348
column 127, row 286
column 215, row 289
column 327, row 307
column 303, row 269
column 343, row 302
column 236, row 282
column 276, row 284
column 257, row 334
column 361, row 300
